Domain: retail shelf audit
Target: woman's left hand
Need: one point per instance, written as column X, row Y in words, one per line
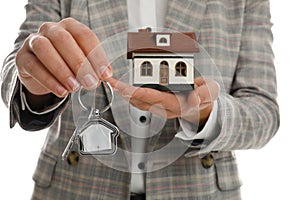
column 194, row 107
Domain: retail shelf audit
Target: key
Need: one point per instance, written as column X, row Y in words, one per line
column 69, row 145
column 97, row 136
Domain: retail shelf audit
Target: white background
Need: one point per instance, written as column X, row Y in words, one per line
column 269, row 173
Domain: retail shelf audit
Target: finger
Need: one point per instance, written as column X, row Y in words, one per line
column 53, row 62
column 199, row 81
column 65, row 45
column 144, row 98
column 121, row 88
column 162, row 103
column 155, row 109
column 74, row 57
column 161, row 111
column 213, row 88
column 37, row 79
column 90, row 45
column 71, row 53
column 206, row 92
column 170, row 101
column 193, row 97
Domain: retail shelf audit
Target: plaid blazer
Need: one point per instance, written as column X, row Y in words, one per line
column 236, row 34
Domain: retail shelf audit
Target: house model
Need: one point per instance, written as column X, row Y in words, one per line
column 162, row 60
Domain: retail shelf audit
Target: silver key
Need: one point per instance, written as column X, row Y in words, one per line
column 69, row 145
column 97, row 136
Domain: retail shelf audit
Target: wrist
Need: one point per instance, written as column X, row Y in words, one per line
column 200, row 117
column 204, row 115
column 39, row 104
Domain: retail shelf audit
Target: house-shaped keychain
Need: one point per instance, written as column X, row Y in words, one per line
column 163, row 60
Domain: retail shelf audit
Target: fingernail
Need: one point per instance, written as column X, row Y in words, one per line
column 73, row 83
column 104, row 72
column 90, row 81
column 61, row 91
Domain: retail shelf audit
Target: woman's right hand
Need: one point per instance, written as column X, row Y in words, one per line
column 61, row 57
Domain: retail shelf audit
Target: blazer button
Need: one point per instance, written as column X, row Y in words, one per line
column 73, row 158
column 207, row 161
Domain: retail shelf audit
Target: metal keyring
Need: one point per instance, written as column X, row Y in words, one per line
column 106, row 84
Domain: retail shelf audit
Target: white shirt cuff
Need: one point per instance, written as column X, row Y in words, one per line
column 24, row 104
column 209, row 131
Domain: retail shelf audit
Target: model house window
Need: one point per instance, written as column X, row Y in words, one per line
column 164, row 64
column 164, row 73
column 146, row 69
column 163, row 40
column 180, row 69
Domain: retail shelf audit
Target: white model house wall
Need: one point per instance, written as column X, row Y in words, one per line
column 155, row 60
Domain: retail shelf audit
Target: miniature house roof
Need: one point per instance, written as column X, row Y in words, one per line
column 161, row 42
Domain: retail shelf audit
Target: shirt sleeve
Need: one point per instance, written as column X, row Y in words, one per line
column 46, row 110
column 209, row 131
column 34, row 120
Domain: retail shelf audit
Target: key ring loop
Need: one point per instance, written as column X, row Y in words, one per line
column 107, row 85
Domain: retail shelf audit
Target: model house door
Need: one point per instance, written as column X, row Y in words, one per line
column 164, row 73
